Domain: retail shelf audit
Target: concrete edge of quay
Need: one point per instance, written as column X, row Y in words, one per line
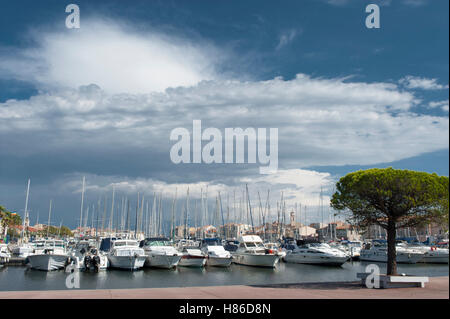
column 437, row 288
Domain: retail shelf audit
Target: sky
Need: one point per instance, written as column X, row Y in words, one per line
column 100, row 101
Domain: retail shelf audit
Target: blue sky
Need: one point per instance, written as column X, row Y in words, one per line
column 364, row 97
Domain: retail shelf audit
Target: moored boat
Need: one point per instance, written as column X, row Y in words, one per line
column 191, row 256
column 160, row 253
column 377, row 252
column 49, row 255
column 251, row 252
column 5, row 255
column 126, row 254
column 316, row 254
column 217, row 256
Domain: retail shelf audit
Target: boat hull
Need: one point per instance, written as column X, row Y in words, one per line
column 431, row 259
column 192, row 261
column 402, row 258
column 127, row 262
column 47, row 262
column 315, row 260
column 255, row 260
column 219, row 261
column 162, row 261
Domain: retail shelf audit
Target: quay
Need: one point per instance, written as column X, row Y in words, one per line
column 437, row 288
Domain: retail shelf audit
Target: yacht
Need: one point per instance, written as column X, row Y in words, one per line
column 5, row 255
column 377, row 252
column 86, row 256
column 433, row 255
column 160, row 253
column 251, row 252
column 49, row 255
column 316, row 254
column 126, row 254
column 191, row 256
column 23, row 250
column 352, row 248
column 217, row 255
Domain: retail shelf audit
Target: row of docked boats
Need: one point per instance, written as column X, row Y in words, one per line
column 250, row 250
column 131, row 254
column 376, row 251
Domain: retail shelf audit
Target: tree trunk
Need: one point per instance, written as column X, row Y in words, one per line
column 391, row 252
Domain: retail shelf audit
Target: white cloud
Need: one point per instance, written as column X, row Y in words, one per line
column 441, row 104
column 416, row 82
column 114, row 56
column 287, row 37
column 320, row 121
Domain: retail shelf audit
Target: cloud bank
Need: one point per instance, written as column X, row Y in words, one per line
column 117, row 57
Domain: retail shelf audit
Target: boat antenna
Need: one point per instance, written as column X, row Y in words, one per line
column 221, row 211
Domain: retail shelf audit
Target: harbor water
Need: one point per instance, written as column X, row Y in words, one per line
column 18, row 278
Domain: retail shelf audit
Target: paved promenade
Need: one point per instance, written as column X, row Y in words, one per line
column 437, row 288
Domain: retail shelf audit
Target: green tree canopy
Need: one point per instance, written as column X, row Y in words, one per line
column 64, row 231
column 8, row 218
column 392, row 199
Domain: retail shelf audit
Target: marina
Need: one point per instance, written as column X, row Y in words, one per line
column 18, row 278
column 149, row 255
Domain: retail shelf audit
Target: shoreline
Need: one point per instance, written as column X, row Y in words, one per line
column 437, row 288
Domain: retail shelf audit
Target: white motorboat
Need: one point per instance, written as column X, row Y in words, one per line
column 126, row 254
column 5, row 255
column 217, row 255
column 23, row 250
column 49, row 255
column 251, row 252
column 86, row 256
column 316, row 254
column 160, row 253
column 433, row 255
column 191, row 256
column 352, row 248
column 377, row 252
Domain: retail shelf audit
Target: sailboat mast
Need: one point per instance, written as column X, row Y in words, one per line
column 112, row 213
column 221, row 212
column 49, row 213
column 26, row 209
column 82, row 203
column 136, row 219
column 187, row 215
column 250, row 208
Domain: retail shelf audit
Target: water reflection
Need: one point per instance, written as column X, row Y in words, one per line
column 21, row 278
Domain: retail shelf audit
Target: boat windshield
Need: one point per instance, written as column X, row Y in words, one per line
column 157, row 243
column 120, row 243
column 254, row 245
column 125, row 243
